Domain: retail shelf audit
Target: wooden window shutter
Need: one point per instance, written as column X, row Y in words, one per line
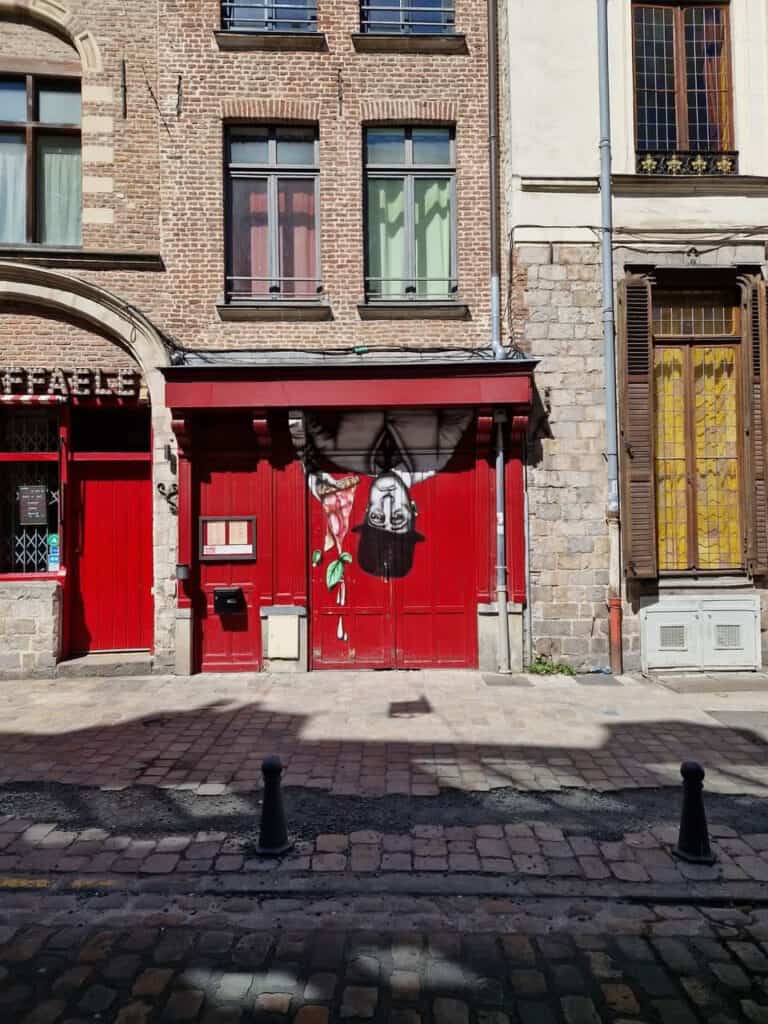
column 755, row 362
column 638, row 506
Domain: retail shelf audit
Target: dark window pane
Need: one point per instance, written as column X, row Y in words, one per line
column 249, row 147
column 431, row 146
column 13, row 100
column 385, row 145
column 249, row 263
column 295, row 146
column 297, row 239
column 111, row 430
column 708, row 79
column 655, row 78
column 58, row 103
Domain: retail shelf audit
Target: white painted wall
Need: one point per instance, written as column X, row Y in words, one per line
column 552, row 122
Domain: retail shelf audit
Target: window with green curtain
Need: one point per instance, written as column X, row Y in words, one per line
column 432, row 228
column 59, row 184
column 386, row 237
column 410, row 213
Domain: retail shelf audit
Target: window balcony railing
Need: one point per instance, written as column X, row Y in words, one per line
column 411, row 289
column 287, row 16
column 687, row 164
column 273, row 289
column 427, row 17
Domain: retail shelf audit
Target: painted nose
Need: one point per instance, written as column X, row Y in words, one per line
column 389, row 507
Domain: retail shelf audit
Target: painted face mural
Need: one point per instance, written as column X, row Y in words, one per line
column 387, row 536
column 397, row 450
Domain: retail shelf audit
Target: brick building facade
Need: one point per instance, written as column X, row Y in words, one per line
column 242, row 384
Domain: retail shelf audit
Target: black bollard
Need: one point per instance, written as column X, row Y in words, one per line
column 693, row 841
column 273, row 834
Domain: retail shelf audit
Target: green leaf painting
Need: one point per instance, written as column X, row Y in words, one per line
column 346, row 557
column 317, row 556
column 334, row 573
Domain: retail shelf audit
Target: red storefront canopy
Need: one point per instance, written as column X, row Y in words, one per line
column 477, row 383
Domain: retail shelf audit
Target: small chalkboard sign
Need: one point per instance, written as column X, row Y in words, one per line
column 33, row 505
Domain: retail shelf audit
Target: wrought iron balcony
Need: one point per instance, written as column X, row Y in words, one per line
column 286, row 16
column 411, row 289
column 423, row 17
column 699, row 164
column 273, row 289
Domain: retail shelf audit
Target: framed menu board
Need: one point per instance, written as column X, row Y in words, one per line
column 227, row 538
column 33, row 505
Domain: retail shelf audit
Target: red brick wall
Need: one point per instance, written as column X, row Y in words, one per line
column 49, row 340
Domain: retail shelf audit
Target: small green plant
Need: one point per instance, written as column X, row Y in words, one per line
column 543, row 666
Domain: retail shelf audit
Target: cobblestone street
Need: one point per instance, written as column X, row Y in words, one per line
column 372, row 734
column 454, row 860
column 411, row 960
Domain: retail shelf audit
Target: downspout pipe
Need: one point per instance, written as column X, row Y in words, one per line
column 609, row 341
column 503, row 648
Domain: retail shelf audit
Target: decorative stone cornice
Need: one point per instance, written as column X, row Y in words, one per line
column 57, row 16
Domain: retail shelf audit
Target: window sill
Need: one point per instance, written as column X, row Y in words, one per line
column 72, row 258
column 413, row 311
column 689, row 185
column 385, row 42
column 274, row 310
column 292, row 41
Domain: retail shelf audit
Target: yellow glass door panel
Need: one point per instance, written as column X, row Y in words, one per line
column 671, row 459
column 716, row 457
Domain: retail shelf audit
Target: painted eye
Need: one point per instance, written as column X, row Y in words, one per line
column 376, row 517
column 399, row 517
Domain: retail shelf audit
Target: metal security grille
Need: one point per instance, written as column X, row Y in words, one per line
column 729, row 637
column 672, row 638
column 33, row 431
column 24, row 549
column 285, row 16
column 407, row 17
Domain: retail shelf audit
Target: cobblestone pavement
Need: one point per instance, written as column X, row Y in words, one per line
column 523, row 853
column 373, row 734
column 99, row 957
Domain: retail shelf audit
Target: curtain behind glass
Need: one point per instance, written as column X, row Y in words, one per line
column 13, row 188
column 386, row 238
column 59, row 187
column 249, row 239
column 432, row 223
column 297, row 241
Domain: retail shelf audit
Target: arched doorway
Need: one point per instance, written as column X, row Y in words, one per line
column 81, row 514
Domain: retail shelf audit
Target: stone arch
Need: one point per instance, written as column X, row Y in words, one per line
column 53, row 290
column 58, row 17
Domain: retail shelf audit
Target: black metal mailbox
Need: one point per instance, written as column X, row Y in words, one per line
column 228, row 600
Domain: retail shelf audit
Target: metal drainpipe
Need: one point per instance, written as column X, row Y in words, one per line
column 500, row 416
column 609, row 345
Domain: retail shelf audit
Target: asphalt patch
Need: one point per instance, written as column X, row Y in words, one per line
column 150, row 812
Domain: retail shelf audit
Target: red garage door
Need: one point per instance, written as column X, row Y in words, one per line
column 394, row 568
column 112, row 556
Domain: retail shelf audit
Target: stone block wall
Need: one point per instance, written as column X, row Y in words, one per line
column 556, row 311
column 30, row 628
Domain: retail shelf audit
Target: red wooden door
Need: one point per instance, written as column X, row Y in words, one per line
column 232, row 485
column 111, row 556
column 419, row 614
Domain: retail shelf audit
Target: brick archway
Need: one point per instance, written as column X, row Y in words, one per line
column 56, row 15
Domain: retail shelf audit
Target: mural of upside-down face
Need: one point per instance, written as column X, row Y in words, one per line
column 388, row 535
